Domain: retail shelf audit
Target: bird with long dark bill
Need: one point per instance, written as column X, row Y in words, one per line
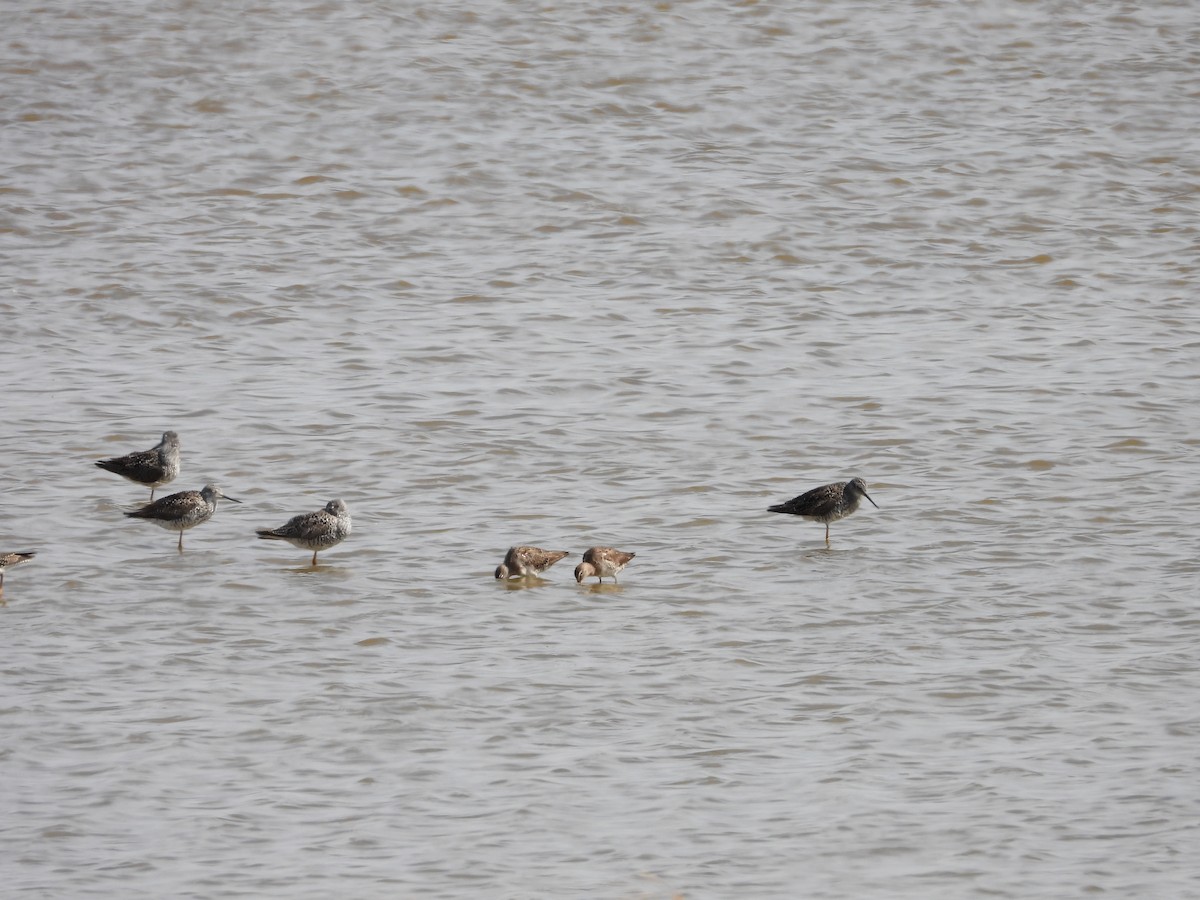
column 179, row 512
column 827, row 503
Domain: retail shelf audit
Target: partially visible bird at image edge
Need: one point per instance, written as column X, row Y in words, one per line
column 7, row 560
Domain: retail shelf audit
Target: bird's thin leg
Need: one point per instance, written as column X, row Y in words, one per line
column 151, row 493
column 181, row 540
column 826, row 534
column 314, row 562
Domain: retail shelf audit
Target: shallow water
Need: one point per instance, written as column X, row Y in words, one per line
column 579, row 275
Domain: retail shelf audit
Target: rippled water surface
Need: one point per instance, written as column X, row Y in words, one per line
column 578, row 274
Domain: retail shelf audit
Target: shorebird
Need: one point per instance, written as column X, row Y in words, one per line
column 521, row 562
column 179, row 512
column 155, row 467
column 827, row 503
column 315, row 531
column 603, row 562
column 13, row 559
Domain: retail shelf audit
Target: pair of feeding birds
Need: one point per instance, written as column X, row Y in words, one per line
column 315, row 531
column 602, row 562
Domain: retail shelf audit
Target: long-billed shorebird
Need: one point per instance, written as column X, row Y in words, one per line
column 521, row 562
column 827, row 503
column 187, row 509
column 7, row 560
column 603, row 562
column 315, row 531
column 157, row 466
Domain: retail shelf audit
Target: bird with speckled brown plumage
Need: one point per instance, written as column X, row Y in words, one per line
column 8, row 560
column 523, row 562
column 603, row 562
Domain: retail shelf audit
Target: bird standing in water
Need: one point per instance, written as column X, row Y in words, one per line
column 827, row 503
column 313, row 531
column 179, row 512
column 521, row 562
column 157, row 466
column 603, row 562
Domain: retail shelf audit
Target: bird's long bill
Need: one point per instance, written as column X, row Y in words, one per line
column 868, row 496
column 236, row 500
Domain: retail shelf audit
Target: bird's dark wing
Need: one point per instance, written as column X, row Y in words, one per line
column 145, row 466
column 817, row 502
column 170, row 507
